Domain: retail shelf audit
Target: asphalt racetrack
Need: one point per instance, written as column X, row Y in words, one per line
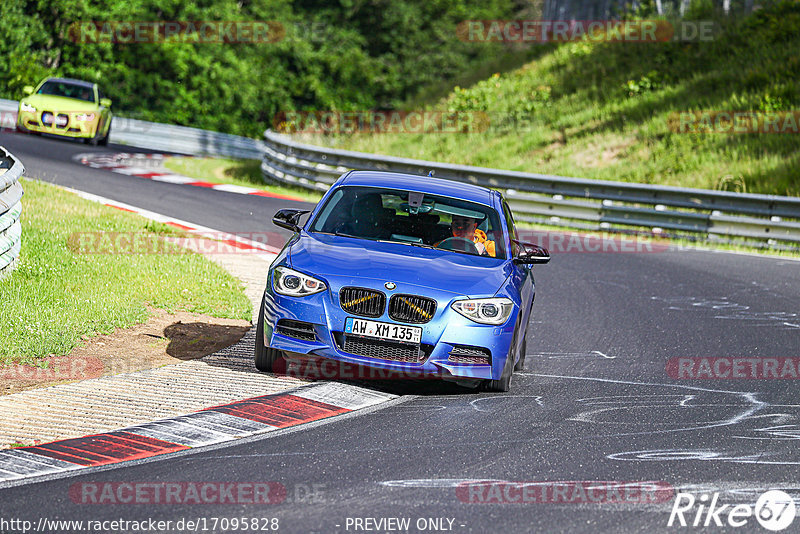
column 596, row 413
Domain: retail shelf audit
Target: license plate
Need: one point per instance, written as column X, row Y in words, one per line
column 387, row 331
column 61, row 121
column 47, row 118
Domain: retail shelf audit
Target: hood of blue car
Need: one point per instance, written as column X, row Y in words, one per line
column 348, row 259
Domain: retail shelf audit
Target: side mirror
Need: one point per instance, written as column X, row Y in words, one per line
column 105, row 102
column 530, row 254
column 288, row 218
column 27, row 90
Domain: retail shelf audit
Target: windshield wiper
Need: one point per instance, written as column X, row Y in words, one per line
column 412, row 243
column 341, row 234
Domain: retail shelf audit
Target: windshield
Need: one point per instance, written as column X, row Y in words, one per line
column 68, row 90
column 412, row 218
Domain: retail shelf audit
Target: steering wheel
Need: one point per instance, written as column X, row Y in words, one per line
column 460, row 244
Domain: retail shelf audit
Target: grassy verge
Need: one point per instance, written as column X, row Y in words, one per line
column 602, row 110
column 56, row 296
column 231, row 171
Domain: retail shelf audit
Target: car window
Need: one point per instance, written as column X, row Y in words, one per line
column 512, row 228
column 68, row 90
column 412, row 218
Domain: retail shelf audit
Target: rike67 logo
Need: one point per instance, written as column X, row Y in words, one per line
column 774, row 510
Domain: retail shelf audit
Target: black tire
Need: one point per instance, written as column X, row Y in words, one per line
column 265, row 357
column 520, row 366
column 503, row 383
column 104, row 140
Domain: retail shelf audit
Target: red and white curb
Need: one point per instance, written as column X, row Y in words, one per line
column 233, row 240
column 229, row 422
column 150, row 166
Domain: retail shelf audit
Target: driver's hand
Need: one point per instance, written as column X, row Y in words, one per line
column 481, row 248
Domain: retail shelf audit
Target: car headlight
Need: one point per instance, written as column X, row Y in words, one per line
column 24, row 106
column 84, row 117
column 294, row 284
column 494, row 311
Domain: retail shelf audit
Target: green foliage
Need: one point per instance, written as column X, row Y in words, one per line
column 333, row 55
column 602, row 110
column 645, row 84
column 57, row 294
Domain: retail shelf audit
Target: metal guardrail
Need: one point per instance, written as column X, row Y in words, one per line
column 10, row 209
column 593, row 204
column 163, row 137
column 557, row 199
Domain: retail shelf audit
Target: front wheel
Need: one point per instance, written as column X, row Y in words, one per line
column 265, row 357
column 503, row 383
column 523, row 350
column 104, row 140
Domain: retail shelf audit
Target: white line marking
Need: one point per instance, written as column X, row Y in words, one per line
column 202, row 231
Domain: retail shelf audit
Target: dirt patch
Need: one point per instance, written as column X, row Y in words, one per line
column 163, row 340
column 602, row 155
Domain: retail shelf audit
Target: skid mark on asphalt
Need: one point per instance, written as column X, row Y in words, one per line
column 570, row 355
column 724, row 309
column 478, row 404
column 750, row 421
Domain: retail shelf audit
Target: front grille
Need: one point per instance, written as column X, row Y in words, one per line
column 296, row 329
column 49, row 118
column 470, row 354
column 363, row 302
column 411, row 308
column 383, row 350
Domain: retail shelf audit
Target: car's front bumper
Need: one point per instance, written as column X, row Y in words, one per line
column 446, row 331
column 32, row 121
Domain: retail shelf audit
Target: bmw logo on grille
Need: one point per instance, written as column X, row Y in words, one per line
column 390, row 285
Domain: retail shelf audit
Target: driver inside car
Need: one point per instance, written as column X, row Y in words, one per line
column 467, row 228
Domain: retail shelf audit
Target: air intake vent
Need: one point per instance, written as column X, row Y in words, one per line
column 384, row 350
column 411, row 309
column 363, row 302
column 296, row 329
column 470, row 354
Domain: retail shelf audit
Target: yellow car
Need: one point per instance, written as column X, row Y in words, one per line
column 68, row 108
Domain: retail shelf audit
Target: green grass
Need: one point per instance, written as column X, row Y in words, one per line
column 56, row 296
column 601, row 111
column 245, row 172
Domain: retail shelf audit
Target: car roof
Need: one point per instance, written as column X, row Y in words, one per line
column 422, row 184
column 88, row 85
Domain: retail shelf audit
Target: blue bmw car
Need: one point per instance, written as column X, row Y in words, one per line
column 406, row 274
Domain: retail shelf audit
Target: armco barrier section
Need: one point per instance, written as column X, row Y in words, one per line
column 594, row 204
column 10, row 209
column 163, row 137
column 540, row 197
